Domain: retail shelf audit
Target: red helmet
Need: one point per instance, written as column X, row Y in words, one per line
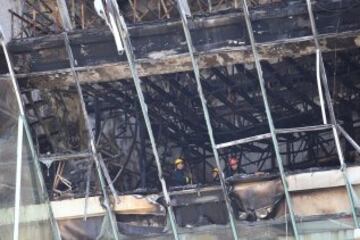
column 232, row 161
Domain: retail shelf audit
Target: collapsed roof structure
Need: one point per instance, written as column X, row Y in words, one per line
column 89, row 132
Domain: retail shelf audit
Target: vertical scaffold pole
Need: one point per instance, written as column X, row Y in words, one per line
column 269, row 117
column 333, row 120
column 20, row 138
column 91, row 141
column 124, row 35
column 183, row 12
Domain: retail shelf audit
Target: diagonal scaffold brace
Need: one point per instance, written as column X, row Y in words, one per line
column 184, row 12
column 92, row 146
column 269, row 117
column 321, row 72
column 120, row 30
column 99, row 165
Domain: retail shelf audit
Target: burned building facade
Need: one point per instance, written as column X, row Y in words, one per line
column 98, row 101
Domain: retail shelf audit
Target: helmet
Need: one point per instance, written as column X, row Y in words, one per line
column 178, row 161
column 232, row 161
column 215, row 170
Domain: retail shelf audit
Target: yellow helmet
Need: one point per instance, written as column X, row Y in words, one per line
column 215, row 170
column 179, row 160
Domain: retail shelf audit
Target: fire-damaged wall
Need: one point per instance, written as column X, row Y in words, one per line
column 257, row 200
column 292, row 151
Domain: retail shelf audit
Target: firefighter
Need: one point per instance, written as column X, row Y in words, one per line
column 233, row 168
column 215, row 175
column 179, row 177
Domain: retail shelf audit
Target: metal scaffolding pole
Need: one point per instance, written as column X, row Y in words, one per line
column 349, row 138
column 320, row 90
column 333, row 120
column 183, row 13
column 124, row 35
column 91, row 142
column 64, row 15
column 268, row 135
column 269, row 117
column 53, row 223
column 20, row 138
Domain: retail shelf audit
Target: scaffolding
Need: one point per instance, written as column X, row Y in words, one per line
column 184, row 11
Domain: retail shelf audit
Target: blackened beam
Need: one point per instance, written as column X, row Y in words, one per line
column 298, row 94
column 40, row 120
column 186, row 93
column 203, row 23
column 192, row 116
column 344, row 78
column 39, row 11
column 154, row 115
column 32, row 24
column 92, row 36
column 229, row 104
column 276, row 97
column 217, row 117
column 231, row 82
column 245, row 94
column 297, row 119
column 346, row 81
column 173, row 62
